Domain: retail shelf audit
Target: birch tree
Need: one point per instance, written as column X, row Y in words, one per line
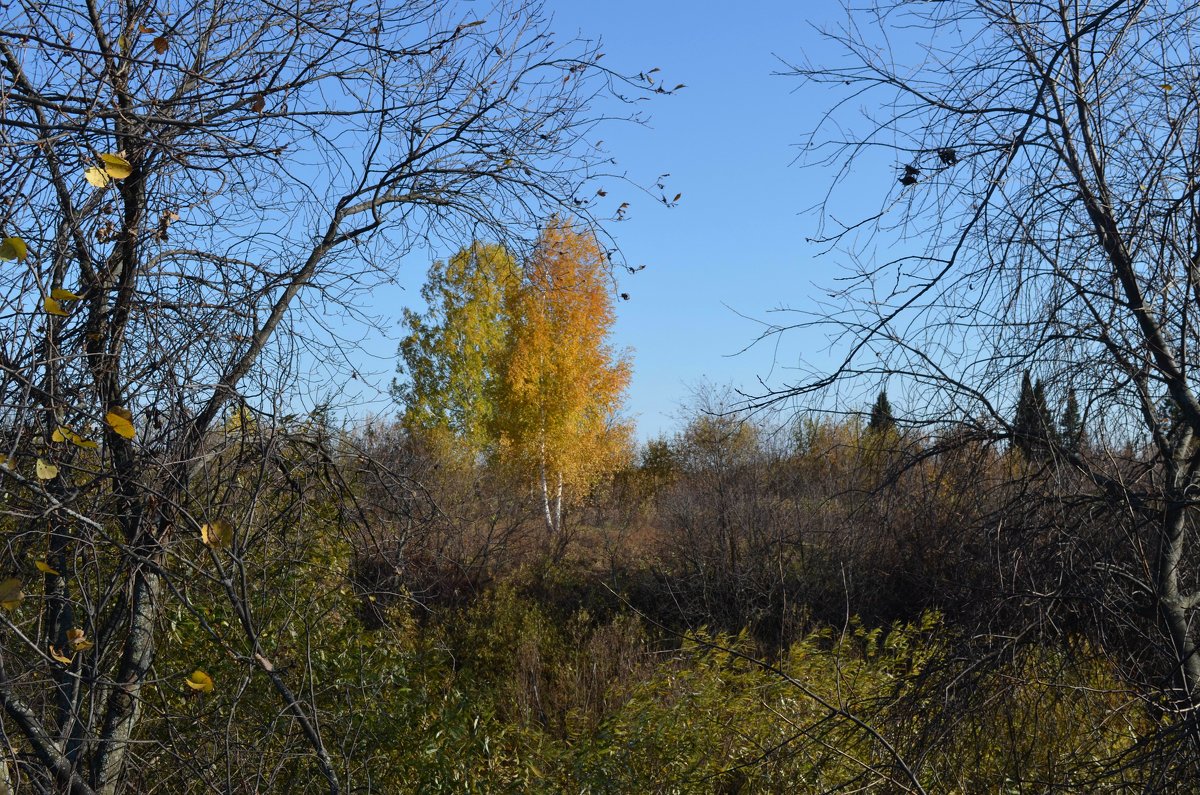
column 562, row 383
column 516, row 364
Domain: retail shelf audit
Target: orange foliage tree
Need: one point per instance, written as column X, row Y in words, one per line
column 559, row 398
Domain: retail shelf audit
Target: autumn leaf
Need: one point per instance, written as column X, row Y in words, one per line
column 217, row 534
column 11, row 593
column 53, row 307
column 46, row 470
column 45, row 567
column 160, row 44
column 13, row 248
column 96, row 177
column 121, row 421
column 58, row 656
column 77, row 640
column 64, row 434
column 199, row 681
column 258, row 103
column 61, row 294
column 116, row 166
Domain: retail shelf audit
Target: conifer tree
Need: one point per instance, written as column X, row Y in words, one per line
column 1072, row 425
column 1033, row 424
column 882, row 420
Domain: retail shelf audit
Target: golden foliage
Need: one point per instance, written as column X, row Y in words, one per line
column 558, row 404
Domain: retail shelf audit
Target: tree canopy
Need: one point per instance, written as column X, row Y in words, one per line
column 450, row 355
column 516, row 362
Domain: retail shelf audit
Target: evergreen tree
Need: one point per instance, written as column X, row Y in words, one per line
column 1047, row 429
column 1072, row 425
column 882, row 420
column 1033, row 424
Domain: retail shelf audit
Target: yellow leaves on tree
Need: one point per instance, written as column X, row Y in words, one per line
column 112, row 167
column 13, row 248
column 515, row 363
column 120, row 419
column 217, row 534
column 560, row 394
column 77, row 640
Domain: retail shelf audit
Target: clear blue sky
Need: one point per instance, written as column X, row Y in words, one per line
column 734, row 248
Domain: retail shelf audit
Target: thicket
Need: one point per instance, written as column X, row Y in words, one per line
column 746, row 609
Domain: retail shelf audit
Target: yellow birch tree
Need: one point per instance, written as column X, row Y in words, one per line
column 561, row 383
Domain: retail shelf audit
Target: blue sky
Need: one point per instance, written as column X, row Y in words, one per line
column 734, row 248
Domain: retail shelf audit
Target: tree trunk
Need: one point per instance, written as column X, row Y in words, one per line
column 1171, row 608
column 124, row 705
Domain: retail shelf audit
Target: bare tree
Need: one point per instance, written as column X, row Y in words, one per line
column 1038, row 165
column 191, row 188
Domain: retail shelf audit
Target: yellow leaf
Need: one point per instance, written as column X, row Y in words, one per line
column 116, row 166
column 78, row 642
column 217, row 534
column 11, row 593
column 58, row 656
column 59, row 294
column 46, row 470
column 198, row 680
column 96, row 177
column 13, row 248
column 53, row 307
column 121, row 421
column 64, row 434
column 44, row 567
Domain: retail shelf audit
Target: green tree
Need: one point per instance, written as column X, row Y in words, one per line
column 882, row 420
column 449, row 356
column 1033, row 428
column 1071, row 431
